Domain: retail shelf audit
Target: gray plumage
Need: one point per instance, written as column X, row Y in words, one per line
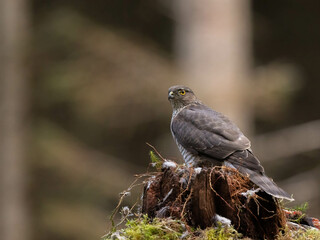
column 205, row 136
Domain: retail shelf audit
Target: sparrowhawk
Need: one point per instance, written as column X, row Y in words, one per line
column 205, row 136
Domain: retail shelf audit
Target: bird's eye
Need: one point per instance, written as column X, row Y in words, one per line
column 182, row 92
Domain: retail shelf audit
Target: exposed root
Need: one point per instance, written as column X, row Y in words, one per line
column 210, row 181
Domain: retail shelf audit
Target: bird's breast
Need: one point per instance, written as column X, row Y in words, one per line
column 188, row 157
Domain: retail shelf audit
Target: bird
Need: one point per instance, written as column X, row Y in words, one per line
column 206, row 137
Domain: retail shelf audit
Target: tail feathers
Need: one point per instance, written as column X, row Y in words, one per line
column 248, row 164
column 266, row 184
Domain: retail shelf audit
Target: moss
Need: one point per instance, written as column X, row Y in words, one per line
column 221, row 233
column 155, row 229
column 302, row 208
column 169, row 229
column 297, row 213
column 155, row 160
column 301, row 234
column 144, row 228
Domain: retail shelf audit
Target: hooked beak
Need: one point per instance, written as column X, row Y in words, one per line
column 170, row 95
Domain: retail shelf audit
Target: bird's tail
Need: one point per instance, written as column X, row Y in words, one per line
column 248, row 164
column 266, row 184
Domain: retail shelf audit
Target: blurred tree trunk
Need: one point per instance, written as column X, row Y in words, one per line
column 213, row 45
column 13, row 39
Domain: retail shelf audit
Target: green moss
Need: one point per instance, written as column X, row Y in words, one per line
column 169, row 229
column 221, row 233
column 156, row 229
column 302, row 208
column 301, row 212
column 142, row 228
column 157, row 162
column 301, row 234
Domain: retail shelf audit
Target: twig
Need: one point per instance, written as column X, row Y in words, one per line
column 126, row 216
column 185, row 204
column 124, row 194
column 154, row 149
column 186, row 189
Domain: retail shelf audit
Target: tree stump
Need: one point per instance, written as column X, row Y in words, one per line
column 197, row 196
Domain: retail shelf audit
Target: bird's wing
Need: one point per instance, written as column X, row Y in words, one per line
column 202, row 130
column 246, row 160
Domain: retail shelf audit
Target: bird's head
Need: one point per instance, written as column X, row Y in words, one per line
column 180, row 96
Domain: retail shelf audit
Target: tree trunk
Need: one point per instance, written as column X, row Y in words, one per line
column 13, row 79
column 213, row 49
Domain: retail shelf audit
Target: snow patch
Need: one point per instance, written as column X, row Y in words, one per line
column 169, row 164
column 116, row 236
column 224, row 221
column 184, row 235
column 197, row 170
column 250, row 193
column 150, row 181
column 125, row 210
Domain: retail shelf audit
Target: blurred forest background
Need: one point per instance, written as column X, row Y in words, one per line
column 84, row 85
